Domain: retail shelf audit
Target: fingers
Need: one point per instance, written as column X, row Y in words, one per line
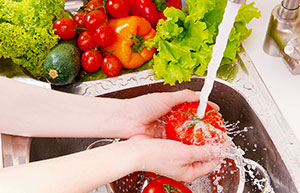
column 140, row 137
column 200, row 169
column 205, row 153
column 184, row 96
column 188, row 96
column 214, row 105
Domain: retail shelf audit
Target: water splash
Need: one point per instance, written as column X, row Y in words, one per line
column 221, row 41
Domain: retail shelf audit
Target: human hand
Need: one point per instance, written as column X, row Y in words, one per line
column 145, row 111
column 174, row 159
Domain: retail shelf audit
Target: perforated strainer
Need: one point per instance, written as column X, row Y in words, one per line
column 230, row 179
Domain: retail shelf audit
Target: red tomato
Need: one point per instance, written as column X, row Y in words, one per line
column 79, row 19
column 91, row 60
column 95, row 5
column 65, row 28
column 177, row 128
column 104, row 35
column 85, row 41
column 117, row 8
column 94, row 19
column 166, row 185
column 111, row 65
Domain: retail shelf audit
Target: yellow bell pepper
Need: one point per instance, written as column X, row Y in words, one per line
column 131, row 33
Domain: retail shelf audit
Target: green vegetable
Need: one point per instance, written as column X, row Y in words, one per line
column 160, row 4
column 185, row 40
column 63, row 63
column 26, row 34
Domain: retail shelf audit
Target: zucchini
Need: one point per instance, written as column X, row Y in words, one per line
column 62, row 64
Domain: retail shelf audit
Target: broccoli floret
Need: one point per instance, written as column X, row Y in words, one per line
column 26, row 31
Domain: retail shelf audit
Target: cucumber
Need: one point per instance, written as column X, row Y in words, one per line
column 62, row 64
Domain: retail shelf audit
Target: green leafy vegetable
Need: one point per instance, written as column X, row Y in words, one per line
column 185, row 39
column 26, row 34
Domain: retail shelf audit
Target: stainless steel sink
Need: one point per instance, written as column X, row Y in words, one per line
column 244, row 102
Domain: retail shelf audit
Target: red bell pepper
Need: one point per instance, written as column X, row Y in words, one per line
column 144, row 8
column 152, row 10
column 175, row 3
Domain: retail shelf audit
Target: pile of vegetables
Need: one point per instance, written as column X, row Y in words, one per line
column 111, row 37
column 26, row 31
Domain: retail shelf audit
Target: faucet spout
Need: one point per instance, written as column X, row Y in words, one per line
column 238, row 1
column 290, row 4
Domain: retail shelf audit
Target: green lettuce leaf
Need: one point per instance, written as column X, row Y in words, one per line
column 26, row 31
column 185, row 39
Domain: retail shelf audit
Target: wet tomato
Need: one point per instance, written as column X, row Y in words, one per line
column 111, row 65
column 85, row 41
column 104, row 35
column 91, row 60
column 117, row 8
column 212, row 128
column 94, row 19
column 166, row 185
column 65, row 28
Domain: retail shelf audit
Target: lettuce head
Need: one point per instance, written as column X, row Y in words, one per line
column 184, row 40
column 26, row 34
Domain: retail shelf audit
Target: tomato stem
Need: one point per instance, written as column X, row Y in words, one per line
column 209, row 112
column 168, row 188
column 81, row 28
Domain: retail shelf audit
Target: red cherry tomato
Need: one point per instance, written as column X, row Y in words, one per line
column 111, row 65
column 95, row 5
column 94, row 19
column 104, row 35
column 79, row 19
column 85, row 41
column 65, row 28
column 164, row 184
column 117, row 8
column 91, row 60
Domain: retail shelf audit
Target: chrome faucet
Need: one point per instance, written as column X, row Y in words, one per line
column 283, row 35
column 238, row 1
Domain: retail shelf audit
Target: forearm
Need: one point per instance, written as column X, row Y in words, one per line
column 31, row 111
column 81, row 172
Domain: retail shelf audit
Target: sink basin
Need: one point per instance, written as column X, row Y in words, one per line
column 256, row 142
column 245, row 103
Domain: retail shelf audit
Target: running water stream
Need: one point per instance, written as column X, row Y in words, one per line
column 225, row 27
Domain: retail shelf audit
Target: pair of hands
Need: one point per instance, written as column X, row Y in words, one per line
column 166, row 157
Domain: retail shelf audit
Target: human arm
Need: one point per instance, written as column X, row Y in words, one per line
column 84, row 171
column 37, row 112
